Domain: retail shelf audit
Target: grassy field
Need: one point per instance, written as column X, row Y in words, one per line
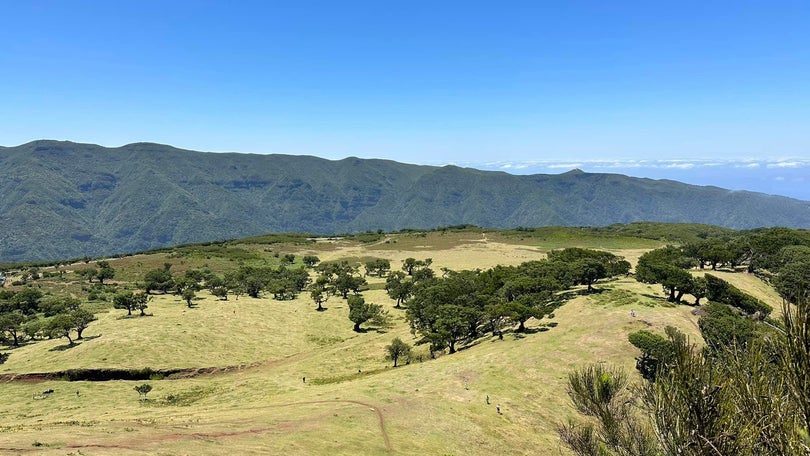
column 352, row 402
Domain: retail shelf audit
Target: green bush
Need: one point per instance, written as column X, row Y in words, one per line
column 718, row 290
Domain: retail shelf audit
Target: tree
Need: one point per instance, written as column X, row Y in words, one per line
column 719, row 290
column 188, row 295
column 319, row 296
column 142, row 302
column 452, row 324
column 590, row 270
column 247, row 279
column 185, row 283
column 88, row 274
column 143, row 390
column 105, row 271
column 218, row 287
column 656, row 351
column 57, row 305
column 60, row 326
column 310, row 261
column 158, row 280
column 378, row 266
column 522, row 309
column 793, row 281
column 346, row 281
column 81, row 319
column 11, row 323
column 399, row 288
column 34, row 328
column 698, row 288
column 398, row 349
column 665, row 266
column 721, row 327
column 221, row 292
column 360, row 311
column 410, row 265
column 131, row 301
column 498, row 316
column 27, row 300
column 588, row 265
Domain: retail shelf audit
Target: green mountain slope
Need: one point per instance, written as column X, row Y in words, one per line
column 62, row 199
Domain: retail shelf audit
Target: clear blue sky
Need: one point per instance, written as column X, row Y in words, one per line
column 416, row 81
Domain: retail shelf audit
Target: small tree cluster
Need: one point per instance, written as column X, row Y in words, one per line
column 284, row 283
column 25, row 315
column 130, row 301
column 339, row 278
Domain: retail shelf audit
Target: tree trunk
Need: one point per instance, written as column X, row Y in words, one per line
column 129, row 310
column 79, row 333
column 671, row 295
column 680, row 295
column 452, row 346
column 357, row 327
column 500, row 335
column 70, row 341
column 522, row 326
column 395, row 358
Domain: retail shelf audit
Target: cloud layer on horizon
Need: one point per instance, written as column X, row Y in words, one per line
column 623, row 164
column 784, row 176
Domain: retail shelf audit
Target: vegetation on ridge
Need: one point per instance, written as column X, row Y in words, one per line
column 63, row 200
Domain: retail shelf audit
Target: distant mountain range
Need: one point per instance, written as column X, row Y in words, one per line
column 63, row 200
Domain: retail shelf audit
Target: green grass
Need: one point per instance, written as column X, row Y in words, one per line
column 258, row 403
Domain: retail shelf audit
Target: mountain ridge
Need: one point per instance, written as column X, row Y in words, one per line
column 61, row 199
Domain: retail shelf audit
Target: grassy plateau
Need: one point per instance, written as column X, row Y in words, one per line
column 250, row 397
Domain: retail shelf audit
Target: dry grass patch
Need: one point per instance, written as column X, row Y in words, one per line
column 433, row 407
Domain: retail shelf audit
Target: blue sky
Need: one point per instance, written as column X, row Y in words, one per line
column 435, row 82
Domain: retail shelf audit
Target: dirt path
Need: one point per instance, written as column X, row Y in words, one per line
column 141, row 443
column 376, row 410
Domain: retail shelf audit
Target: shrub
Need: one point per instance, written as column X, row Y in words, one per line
column 718, row 290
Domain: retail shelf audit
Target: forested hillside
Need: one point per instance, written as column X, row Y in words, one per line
column 62, row 199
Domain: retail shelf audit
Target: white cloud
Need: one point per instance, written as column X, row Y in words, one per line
column 679, row 165
column 786, row 164
column 611, row 165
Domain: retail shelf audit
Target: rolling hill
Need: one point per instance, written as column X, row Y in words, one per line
column 63, row 199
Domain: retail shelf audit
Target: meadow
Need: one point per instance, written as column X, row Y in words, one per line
column 279, row 377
